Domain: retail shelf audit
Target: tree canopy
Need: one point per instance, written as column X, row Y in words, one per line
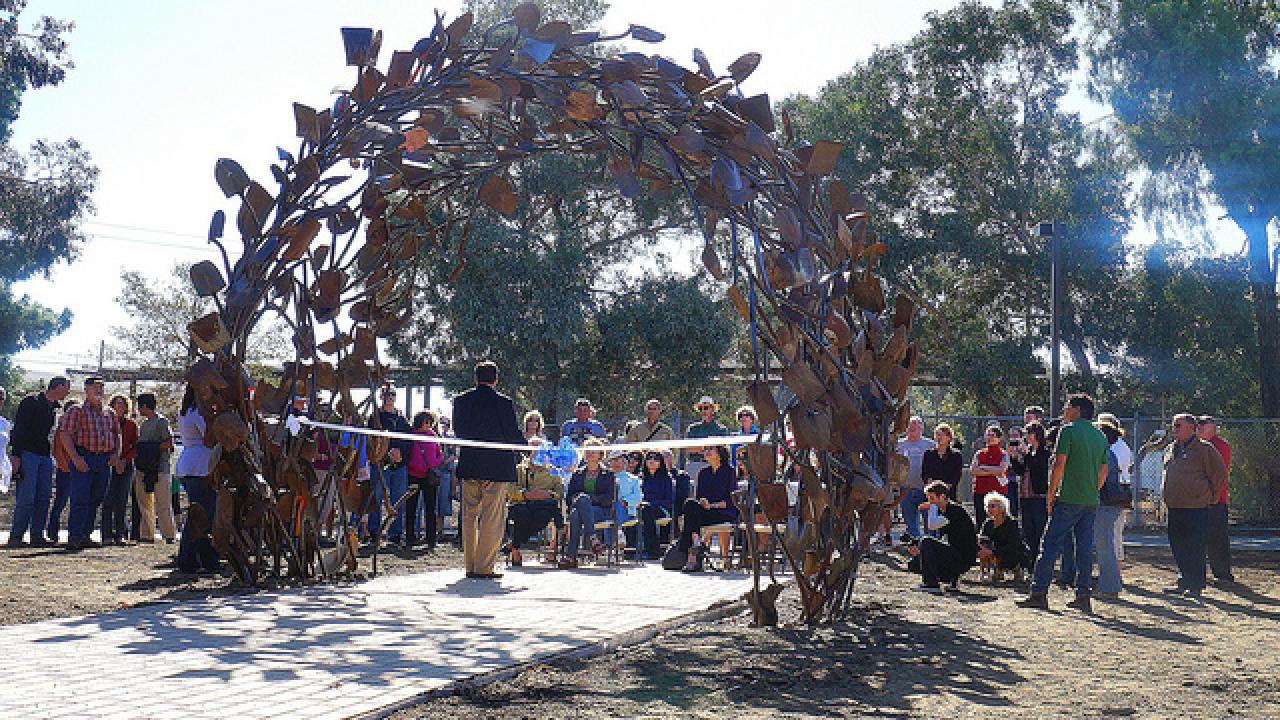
column 573, row 296
column 960, row 142
column 1195, row 90
column 44, row 192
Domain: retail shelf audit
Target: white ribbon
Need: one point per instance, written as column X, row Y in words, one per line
column 624, row 447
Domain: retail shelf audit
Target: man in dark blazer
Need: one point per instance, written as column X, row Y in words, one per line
column 482, row 413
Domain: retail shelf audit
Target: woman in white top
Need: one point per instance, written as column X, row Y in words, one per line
column 195, row 552
column 1124, row 458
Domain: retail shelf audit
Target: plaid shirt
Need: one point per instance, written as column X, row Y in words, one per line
column 96, row 432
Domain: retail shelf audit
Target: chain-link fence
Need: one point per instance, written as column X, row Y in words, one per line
column 1255, row 459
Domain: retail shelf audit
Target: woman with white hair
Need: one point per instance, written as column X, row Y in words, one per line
column 999, row 540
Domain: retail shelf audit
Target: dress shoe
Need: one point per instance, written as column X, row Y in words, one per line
column 568, row 564
column 15, row 544
column 1081, row 603
column 1037, row 601
column 41, row 543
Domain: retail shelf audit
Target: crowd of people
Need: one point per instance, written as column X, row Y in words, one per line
column 94, row 464
column 1049, row 497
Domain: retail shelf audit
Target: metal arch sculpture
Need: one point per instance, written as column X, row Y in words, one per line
column 401, row 162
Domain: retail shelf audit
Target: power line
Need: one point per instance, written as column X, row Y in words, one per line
column 137, row 228
column 155, row 243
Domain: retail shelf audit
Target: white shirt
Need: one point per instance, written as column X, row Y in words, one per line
column 195, row 457
column 1124, row 456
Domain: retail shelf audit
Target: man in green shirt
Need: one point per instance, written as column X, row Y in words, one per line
column 1079, row 469
column 707, row 427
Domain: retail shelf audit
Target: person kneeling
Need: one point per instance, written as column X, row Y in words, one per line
column 1001, row 548
column 944, row 558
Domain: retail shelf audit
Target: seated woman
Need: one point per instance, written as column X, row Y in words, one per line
column 590, row 497
column 658, row 490
column 535, row 501
column 713, row 504
column 629, row 494
column 1000, row 542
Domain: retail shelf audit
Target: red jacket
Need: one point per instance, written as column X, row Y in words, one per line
column 1224, row 449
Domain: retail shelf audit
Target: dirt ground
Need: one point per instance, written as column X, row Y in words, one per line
column 903, row 654
column 911, row 654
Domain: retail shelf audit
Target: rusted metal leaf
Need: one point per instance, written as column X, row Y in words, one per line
column 231, row 178
column 742, row 68
column 498, row 195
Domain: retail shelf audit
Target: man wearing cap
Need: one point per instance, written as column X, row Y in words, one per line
column 482, row 413
column 32, row 458
column 90, row 436
column 1219, row 540
column 1194, row 476
column 583, row 425
column 707, row 427
column 651, row 429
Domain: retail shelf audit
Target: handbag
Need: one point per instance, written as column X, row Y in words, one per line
column 1113, row 493
column 674, row 559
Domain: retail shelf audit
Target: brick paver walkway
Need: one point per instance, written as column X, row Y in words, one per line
column 331, row 652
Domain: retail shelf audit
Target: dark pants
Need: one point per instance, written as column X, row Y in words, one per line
column 115, row 504
column 426, row 496
column 979, row 511
column 530, row 517
column 1219, row 542
column 34, row 485
column 1035, row 516
column 61, row 494
column 87, row 490
column 196, row 552
column 939, row 562
column 652, row 539
column 694, row 518
column 1073, row 522
column 135, row 515
column 1189, row 541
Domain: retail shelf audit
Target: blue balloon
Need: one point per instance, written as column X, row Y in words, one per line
column 562, row 459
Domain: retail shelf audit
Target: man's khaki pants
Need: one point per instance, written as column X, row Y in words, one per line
column 484, row 518
column 155, row 506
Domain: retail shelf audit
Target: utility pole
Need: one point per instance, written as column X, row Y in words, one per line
column 1053, row 232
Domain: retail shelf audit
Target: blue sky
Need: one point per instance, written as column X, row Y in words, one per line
column 162, row 89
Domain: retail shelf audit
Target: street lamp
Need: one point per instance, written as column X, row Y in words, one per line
column 1053, row 232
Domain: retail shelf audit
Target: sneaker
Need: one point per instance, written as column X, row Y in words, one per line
column 1038, row 601
column 1081, row 603
column 91, row 544
column 953, row 586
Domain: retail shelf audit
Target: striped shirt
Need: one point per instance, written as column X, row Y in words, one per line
column 95, row 430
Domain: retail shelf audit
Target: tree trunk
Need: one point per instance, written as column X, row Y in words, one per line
column 1262, row 286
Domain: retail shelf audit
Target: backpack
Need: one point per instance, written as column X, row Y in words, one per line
column 1113, row 493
